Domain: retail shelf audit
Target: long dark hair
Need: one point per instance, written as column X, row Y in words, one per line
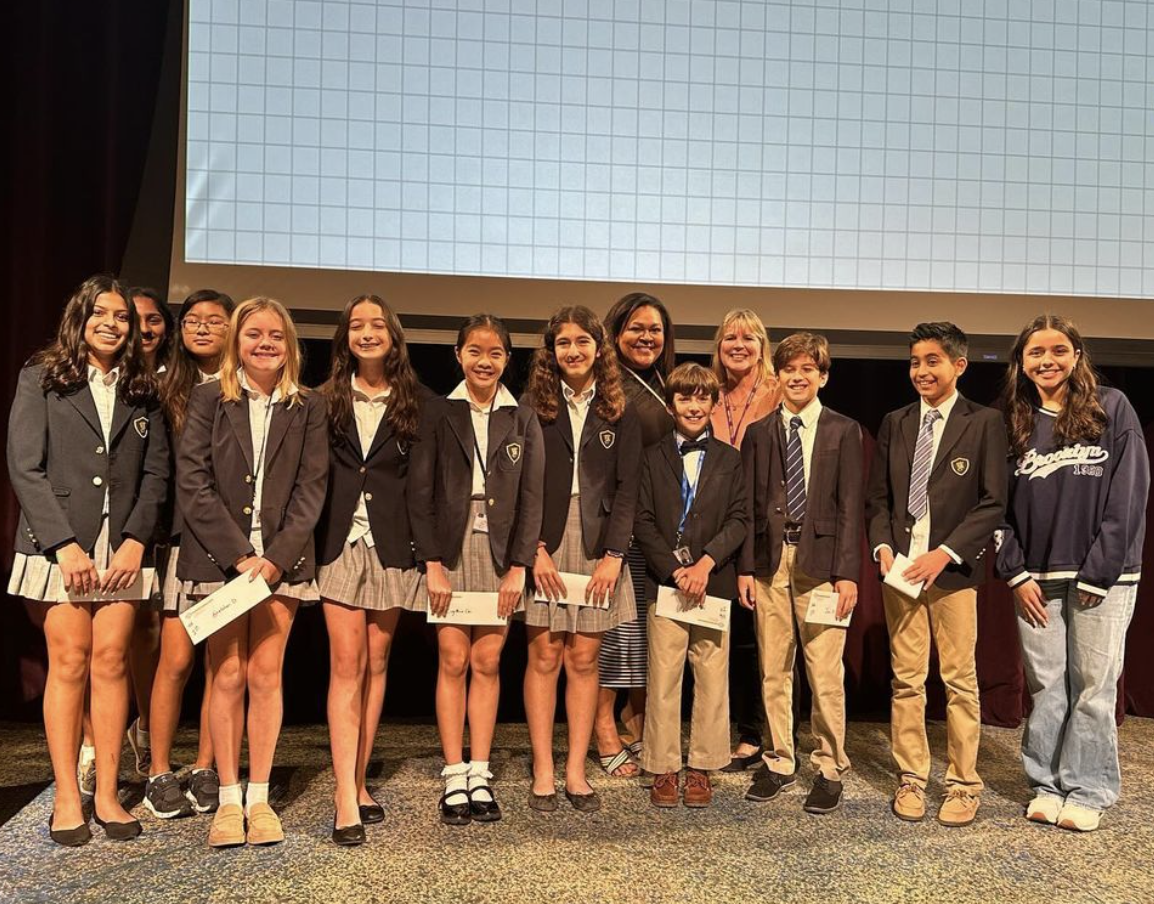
column 65, row 359
column 545, row 374
column 403, row 412
column 484, row 322
column 183, row 370
column 168, row 344
column 1082, row 418
column 622, row 312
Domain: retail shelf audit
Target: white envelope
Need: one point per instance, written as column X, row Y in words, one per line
column 135, row 590
column 225, row 605
column 470, row 609
column 713, row 613
column 575, row 585
column 823, row 609
column 901, row 585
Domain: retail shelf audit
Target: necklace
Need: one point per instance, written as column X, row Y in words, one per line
column 735, row 430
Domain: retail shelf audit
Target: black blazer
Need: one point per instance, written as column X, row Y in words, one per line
column 609, row 468
column 215, row 485
column 60, row 468
column 382, row 476
column 718, row 520
column 831, row 532
column 968, row 486
column 441, row 483
column 652, row 414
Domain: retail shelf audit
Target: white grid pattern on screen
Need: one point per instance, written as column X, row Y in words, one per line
column 955, row 145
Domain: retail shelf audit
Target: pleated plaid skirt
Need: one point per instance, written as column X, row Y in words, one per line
column 570, row 557
column 357, row 578
column 476, row 570
column 305, row 591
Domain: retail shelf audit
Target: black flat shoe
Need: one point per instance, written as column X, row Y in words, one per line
column 70, row 837
column 456, row 814
column 349, row 836
column 741, row 763
column 371, row 813
column 484, row 810
column 542, row 803
column 119, row 831
column 584, row 803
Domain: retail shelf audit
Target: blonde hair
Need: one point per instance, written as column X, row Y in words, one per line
column 290, row 373
column 742, row 318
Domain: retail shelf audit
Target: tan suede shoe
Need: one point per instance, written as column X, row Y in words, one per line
column 959, row 808
column 910, row 802
column 264, row 825
column 227, row 827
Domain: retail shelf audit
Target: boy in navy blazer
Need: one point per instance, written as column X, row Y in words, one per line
column 691, row 523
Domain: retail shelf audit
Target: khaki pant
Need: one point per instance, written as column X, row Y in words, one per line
column 781, row 604
column 708, row 652
column 952, row 620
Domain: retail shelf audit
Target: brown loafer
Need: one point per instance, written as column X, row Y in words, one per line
column 264, row 825
column 698, row 790
column 227, row 827
column 664, row 792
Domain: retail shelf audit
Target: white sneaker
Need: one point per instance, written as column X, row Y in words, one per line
column 1044, row 808
column 1080, row 819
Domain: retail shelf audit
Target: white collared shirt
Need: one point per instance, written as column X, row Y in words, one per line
column 480, row 415
column 260, row 410
column 103, row 388
column 808, row 432
column 368, row 412
column 691, row 463
column 578, row 412
column 205, row 377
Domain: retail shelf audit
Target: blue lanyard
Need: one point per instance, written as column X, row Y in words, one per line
column 688, row 494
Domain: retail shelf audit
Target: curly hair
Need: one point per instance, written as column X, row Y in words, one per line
column 403, row 413
column 545, row 374
column 65, row 359
column 1082, row 418
column 183, row 368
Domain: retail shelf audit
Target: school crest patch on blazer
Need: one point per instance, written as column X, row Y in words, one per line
column 513, row 450
column 141, row 427
column 960, row 466
column 608, row 438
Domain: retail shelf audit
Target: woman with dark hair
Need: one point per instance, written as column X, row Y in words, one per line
column 366, row 572
column 641, row 334
column 88, row 459
column 592, row 447
column 195, row 359
column 1071, row 550
column 475, row 486
column 157, row 327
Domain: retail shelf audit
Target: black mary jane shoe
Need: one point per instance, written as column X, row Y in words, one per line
column 484, row 810
column 741, row 763
column 349, row 836
column 371, row 813
column 456, row 814
column 119, row 831
column 584, row 803
column 75, row 837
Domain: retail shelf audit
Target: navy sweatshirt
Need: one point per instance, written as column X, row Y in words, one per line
column 1078, row 512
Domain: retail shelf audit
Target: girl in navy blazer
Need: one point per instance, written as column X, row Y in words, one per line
column 475, row 497
column 366, row 571
column 88, row 459
column 252, row 469
column 592, row 447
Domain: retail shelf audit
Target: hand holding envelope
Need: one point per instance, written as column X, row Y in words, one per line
column 894, row 578
column 225, row 605
column 575, row 591
column 705, row 612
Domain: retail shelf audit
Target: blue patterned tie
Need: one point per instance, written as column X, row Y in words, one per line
column 794, row 472
column 920, row 475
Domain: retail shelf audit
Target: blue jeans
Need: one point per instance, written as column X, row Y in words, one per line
column 1070, row 747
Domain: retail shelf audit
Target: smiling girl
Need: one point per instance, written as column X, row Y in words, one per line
column 475, row 501
column 88, row 459
column 1072, row 552
column 251, row 475
column 367, row 573
column 592, row 447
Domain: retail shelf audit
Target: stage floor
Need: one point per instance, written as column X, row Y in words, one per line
column 629, row 852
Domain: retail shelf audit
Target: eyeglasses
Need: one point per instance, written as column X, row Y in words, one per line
column 212, row 325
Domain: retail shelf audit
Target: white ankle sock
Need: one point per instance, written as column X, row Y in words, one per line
column 230, row 794
column 87, row 754
column 479, row 776
column 255, row 793
column 456, row 779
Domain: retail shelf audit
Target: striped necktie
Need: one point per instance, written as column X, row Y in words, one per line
column 794, row 472
column 920, row 475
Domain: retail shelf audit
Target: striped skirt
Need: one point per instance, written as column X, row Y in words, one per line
column 570, row 557
column 624, row 657
column 357, row 578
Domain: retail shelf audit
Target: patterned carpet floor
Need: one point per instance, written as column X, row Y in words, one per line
column 629, row 852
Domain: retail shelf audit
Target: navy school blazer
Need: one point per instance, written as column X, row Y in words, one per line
column 60, row 468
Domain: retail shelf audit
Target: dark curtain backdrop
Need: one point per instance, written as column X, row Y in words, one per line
column 92, row 86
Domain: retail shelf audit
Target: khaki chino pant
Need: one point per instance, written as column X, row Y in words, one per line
column 782, row 603
column 951, row 619
column 670, row 643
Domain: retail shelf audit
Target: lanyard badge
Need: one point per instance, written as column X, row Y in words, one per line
column 688, row 494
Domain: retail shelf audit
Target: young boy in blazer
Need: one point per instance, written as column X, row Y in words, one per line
column 803, row 472
column 691, row 522
column 937, row 493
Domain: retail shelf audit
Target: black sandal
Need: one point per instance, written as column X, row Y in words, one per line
column 456, row 814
